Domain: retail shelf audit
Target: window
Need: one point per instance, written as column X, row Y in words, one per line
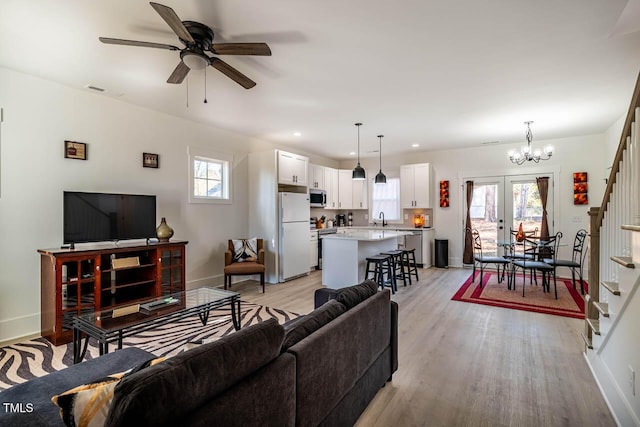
column 386, row 198
column 209, row 176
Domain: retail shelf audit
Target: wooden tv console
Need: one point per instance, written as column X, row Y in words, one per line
column 103, row 276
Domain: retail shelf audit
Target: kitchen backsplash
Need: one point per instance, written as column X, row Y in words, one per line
column 359, row 216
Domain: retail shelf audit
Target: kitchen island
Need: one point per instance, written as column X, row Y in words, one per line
column 344, row 254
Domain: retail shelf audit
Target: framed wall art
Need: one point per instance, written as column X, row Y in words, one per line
column 150, row 160
column 580, row 188
column 444, row 194
column 75, row 150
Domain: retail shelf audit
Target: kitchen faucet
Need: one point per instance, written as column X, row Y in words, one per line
column 384, row 223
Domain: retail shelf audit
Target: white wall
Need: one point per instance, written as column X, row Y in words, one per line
column 577, row 154
column 38, row 117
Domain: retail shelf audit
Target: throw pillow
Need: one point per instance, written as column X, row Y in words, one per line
column 245, row 250
column 354, row 295
column 310, row 323
column 88, row 404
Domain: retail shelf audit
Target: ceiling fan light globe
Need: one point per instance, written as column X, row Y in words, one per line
column 195, row 61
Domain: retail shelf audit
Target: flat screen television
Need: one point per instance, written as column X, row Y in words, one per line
column 96, row 217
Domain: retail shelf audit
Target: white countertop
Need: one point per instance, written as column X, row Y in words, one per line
column 365, row 235
column 388, row 227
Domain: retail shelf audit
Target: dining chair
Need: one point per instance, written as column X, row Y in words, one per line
column 512, row 254
column 577, row 259
column 528, row 261
column 480, row 258
column 547, row 253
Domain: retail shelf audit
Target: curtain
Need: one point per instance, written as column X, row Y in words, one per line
column 467, row 256
column 543, row 189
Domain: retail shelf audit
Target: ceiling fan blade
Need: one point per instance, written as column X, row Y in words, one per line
column 108, row 40
column 173, row 20
column 232, row 73
column 261, row 49
column 179, row 73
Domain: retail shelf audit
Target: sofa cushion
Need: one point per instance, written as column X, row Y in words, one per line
column 245, row 250
column 352, row 342
column 166, row 392
column 244, row 268
column 310, row 323
column 88, row 404
column 354, row 295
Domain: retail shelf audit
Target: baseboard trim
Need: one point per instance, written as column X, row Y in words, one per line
column 18, row 328
column 614, row 398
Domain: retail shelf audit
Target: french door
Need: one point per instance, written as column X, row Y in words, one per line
column 502, row 203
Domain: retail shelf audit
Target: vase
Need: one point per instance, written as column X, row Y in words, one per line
column 164, row 232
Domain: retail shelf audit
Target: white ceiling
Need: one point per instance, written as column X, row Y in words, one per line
column 443, row 74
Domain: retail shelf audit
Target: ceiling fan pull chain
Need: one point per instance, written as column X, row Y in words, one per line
column 205, row 85
column 187, row 92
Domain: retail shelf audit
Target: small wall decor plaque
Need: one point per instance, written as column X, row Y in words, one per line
column 75, row 150
column 150, row 160
column 444, row 194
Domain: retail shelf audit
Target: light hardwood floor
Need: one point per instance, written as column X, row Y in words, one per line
column 463, row 364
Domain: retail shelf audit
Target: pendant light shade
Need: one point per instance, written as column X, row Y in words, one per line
column 358, row 172
column 380, row 177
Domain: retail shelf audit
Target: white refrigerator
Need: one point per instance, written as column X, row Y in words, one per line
column 293, row 248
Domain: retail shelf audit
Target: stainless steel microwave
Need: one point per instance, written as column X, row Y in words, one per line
column 317, row 198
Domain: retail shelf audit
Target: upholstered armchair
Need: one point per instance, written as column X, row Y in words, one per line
column 243, row 259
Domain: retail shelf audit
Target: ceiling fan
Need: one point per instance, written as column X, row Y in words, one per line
column 197, row 39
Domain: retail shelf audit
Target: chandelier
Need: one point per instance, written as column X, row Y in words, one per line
column 526, row 155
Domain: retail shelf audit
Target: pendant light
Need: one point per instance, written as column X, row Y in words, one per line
column 358, row 172
column 380, row 177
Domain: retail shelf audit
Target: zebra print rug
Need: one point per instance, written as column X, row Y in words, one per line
column 37, row 357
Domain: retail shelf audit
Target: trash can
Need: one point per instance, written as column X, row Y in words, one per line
column 442, row 253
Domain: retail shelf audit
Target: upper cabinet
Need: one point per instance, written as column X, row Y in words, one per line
column 359, row 196
column 331, row 182
column 317, row 177
column 351, row 194
column 415, row 186
column 292, row 169
column 345, row 189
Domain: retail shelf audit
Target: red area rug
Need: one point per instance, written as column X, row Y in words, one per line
column 570, row 302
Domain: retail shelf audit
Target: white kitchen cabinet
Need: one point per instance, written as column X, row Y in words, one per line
column 345, row 189
column 351, row 194
column 292, row 168
column 331, row 186
column 415, row 186
column 359, row 194
column 317, row 177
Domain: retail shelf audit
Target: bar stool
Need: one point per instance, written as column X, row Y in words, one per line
column 380, row 263
column 410, row 260
column 397, row 266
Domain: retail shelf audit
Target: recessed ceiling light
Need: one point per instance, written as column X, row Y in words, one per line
column 352, row 153
column 415, row 145
column 297, row 134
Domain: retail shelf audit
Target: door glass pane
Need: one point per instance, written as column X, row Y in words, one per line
column 527, row 207
column 484, row 216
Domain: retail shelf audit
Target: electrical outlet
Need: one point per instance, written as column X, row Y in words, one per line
column 366, row 216
column 406, row 216
column 577, row 219
column 632, row 380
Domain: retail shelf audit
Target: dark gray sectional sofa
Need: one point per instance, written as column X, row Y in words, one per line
column 320, row 369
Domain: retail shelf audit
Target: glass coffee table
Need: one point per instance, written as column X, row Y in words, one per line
column 111, row 326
